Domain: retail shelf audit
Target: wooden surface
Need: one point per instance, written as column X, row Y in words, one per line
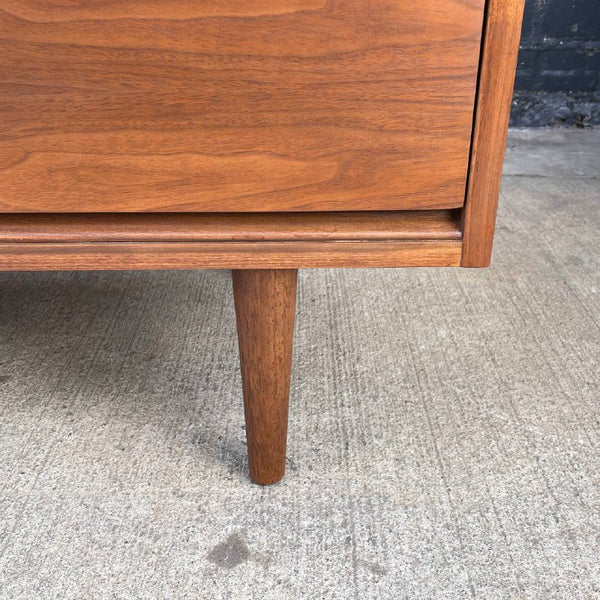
column 227, row 255
column 252, row 241
column 499, row 61
column 265, row 303
column 222, row 105
column 196, row 227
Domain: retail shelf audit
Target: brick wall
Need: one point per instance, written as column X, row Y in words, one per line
column 558, row 77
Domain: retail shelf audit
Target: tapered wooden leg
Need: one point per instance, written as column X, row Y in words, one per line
column 265, row 303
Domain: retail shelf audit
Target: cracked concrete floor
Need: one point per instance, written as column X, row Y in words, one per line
column 444, row 432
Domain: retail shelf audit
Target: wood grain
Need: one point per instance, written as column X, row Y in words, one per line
column 499, row 61
column 227, row 255
column 265, row 304
column 220, row 105
column 251, row 227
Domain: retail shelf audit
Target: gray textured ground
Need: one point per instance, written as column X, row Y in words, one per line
column 444, row 433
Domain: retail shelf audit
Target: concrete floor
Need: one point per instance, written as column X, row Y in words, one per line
column 444, row 437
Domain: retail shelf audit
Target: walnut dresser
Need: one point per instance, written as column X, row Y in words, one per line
column 260, row 136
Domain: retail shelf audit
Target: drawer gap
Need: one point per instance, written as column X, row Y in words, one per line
column 230, row 227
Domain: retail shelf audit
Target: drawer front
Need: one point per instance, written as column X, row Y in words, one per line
column 224, row 105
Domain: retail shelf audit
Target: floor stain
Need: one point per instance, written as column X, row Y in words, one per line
column 375, row 568
column 230, row 553
column 5, row 378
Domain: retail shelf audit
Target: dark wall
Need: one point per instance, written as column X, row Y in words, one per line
column 558, row 77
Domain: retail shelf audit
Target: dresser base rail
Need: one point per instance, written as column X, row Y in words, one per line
column 31, row 242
